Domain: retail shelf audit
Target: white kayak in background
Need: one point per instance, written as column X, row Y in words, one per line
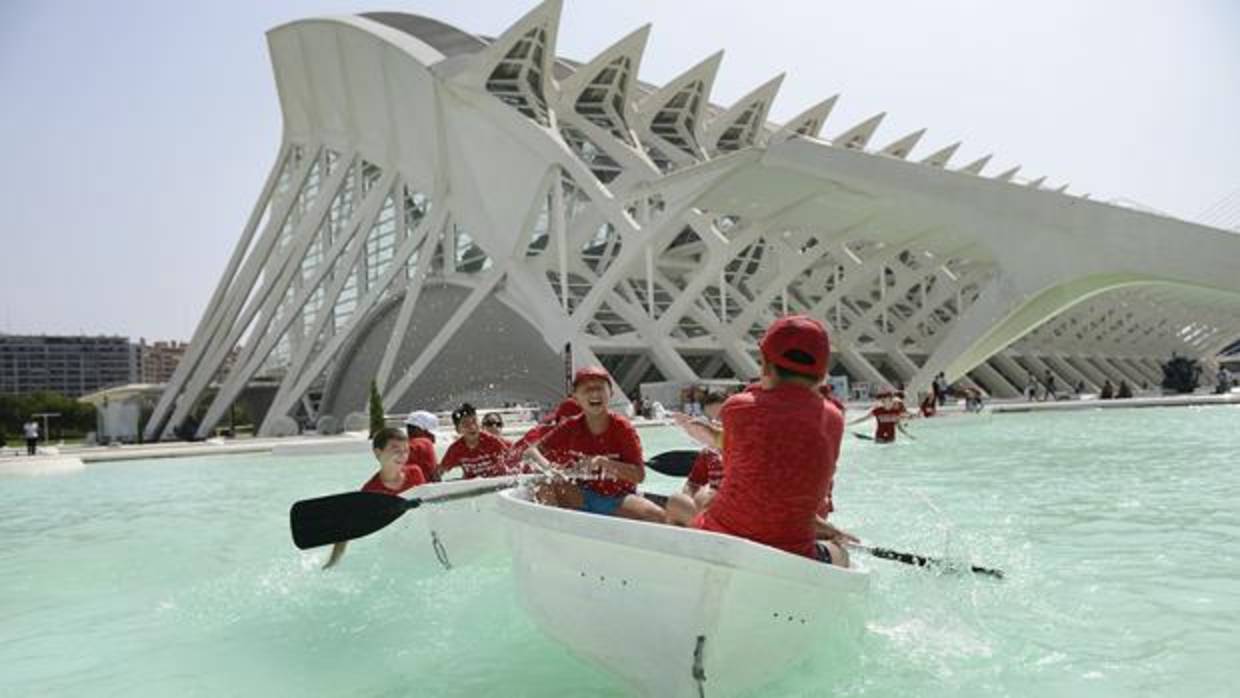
column 462, row 531
column 674, row 611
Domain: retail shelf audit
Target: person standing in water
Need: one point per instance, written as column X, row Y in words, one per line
column 888, row 415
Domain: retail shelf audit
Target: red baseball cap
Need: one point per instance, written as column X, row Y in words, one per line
column 798, row 343
column 591, row 373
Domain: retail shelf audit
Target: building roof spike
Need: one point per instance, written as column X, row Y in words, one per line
column 939, row 158
column 858, row 136
column 1007, row 175
column 476, row 67
column 975, row 167
column 807, row 123
column 632, row 45
column 741, row 124
column 706, row 70
column 902, row 147
column 1037, row 183
column 1062, row 189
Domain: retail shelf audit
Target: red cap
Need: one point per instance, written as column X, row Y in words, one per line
column 591, row 373
column 797, row 333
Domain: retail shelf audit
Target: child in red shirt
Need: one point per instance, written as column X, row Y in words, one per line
column 888, row 414
column 421, row 427
column 477, row 453
column 780, row 449
column 395, row 474
column 600, row 444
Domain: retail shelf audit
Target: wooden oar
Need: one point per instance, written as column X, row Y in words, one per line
column 340, row 517
column 926, row 561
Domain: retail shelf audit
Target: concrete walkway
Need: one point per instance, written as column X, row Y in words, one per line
column 60, row 459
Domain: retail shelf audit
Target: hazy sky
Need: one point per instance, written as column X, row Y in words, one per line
column 137, row 134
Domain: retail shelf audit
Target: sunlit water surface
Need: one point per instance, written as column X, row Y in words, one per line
column 1119, row 531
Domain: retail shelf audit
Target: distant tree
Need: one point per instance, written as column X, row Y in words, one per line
column 1181, row 374
column 376, row 409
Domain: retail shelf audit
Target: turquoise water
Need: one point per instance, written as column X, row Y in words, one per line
column 1118, row 530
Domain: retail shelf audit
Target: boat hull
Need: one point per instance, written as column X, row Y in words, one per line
column 678, row 612
column 460, row 532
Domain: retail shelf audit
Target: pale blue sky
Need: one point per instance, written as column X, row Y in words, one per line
column 137, row 134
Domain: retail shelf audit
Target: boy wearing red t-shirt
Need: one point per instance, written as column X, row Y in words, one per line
column 395, row 474
column 476, row 453
column 780, row 447
column 888, row 415
column 603, row 445
column 707, row 472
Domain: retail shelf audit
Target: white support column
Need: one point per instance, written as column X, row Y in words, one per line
column 234, row 281
column 1082, row 365
column 1105, row 369
column 1134, row 379
column 431, row 233
column 994, row 382
column 559, row 235
column 277, row 276
column 341, row 257
column 291, row 389
column 650, row 282
column 1041, row 368
column 1016, row 374
column 1068, row 370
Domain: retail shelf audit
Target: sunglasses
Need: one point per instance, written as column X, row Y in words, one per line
column 492, row 423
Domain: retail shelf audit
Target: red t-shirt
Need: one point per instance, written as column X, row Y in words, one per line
column 413, row 478
column 779, row 452
column 571, row 441
column 707, row 468
column 484, row 460
column 887, row 419
column 422, row 454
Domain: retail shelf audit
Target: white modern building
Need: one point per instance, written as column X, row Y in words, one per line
column 447, row 211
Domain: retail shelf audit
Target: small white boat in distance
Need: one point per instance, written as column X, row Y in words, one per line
column 673, row 611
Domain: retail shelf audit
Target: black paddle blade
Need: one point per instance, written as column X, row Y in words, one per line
column 342, row 517
column 924, row 561
column 673, row 463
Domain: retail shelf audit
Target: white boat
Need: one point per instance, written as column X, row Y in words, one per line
column 463, row 531
column 674, row 611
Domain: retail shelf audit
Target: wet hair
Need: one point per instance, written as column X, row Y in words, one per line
column 465, row 410
column 385, row 435
column 713, row 397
